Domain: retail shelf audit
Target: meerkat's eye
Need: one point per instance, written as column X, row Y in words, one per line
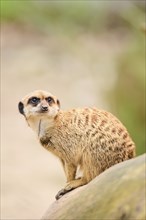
column 34, row 100
column 49, row 99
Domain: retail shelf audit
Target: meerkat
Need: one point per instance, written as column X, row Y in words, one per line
column 89, row 138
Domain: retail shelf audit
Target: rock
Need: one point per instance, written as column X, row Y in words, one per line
column 118, row 193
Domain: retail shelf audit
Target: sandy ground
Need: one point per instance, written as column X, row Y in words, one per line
column 79, row 70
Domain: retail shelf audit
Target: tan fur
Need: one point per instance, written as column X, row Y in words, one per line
column 90, row 138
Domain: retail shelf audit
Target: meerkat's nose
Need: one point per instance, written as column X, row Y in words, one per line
column 44, row 108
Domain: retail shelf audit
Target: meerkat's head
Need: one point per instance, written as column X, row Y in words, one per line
column 39, row 104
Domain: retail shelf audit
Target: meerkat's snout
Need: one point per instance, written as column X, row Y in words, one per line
column 44, row 108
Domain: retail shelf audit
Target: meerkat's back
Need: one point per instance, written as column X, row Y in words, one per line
column 97, row 134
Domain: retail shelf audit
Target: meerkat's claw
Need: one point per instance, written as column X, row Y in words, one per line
column 62, row 192
column 70, row 186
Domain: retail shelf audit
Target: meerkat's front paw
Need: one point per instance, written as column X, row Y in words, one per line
column 62, row 192
column 70, row 186
column 65, row 190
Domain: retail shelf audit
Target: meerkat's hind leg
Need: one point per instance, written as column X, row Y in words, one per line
column 70, row 186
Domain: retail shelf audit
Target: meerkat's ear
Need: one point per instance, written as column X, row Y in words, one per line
column 58, row 103
column 21, row 107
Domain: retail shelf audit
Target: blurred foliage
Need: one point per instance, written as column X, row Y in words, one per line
column 56, row 15
column 71, row 16
column 98, row 16
column 129, row 93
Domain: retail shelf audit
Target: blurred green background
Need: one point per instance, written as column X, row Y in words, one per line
column 88, row 53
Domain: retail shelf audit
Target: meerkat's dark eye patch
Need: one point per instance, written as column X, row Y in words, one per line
column 34, row 101
column 49, row 99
